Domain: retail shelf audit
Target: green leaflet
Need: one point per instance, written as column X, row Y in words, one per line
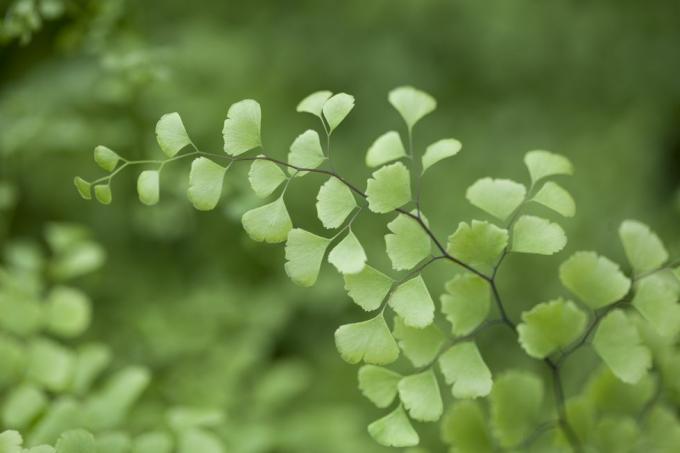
column 555, row 197
column 413, row 303
column 171, row 134
column 464, row 368
column 408, row 244
column 368, row 288
column 154, row 441
column 516, row 401
column 412, row 104
column 336, row 109
column 68, row 311
column 304, row 254
column 305, row 152
column 241, row 129
column 76, row 441
column 370, row 341
column 334, row 203
column 378, row 384
column 618, row 343
column 23, row 405
column 550, row 326
column 10, row 442
column 265, row 177
column 464, row 428
column 50, row 365
column 348, row 255
column 102, row 193
column 596, row 280
column 22, row 316
column 420, row 346
column 314, row 103
column 533, row 234
column 84, row 188
column 90, row 361
column 148, row 187
column 643, row 248
column 386, row 148
column 466, row 303
column 479, row 244
column 656, row 297
column 440, row 150
column 195, row 440
column 498, row 197
column 269, row 223
column 205, row 183
column 389, row 188
column 618, row 434
column 542, row 164
column 394, row 430
column 421, row 397
column 608, row 394
column 106, row 158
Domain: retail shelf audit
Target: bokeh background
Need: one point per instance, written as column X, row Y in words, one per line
column 210, row 313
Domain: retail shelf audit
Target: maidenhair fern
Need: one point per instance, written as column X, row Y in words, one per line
column 631, row 321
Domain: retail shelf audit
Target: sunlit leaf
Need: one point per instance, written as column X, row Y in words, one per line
column 50, row 364
column 171, row 134
column 656, row 297
column 368, row 288
column 370, row 341
column 305, row 152
column 555, row 197
column 84, row 188
column 533, row 234
column 348, row 255
column 378, row 384
column 413, row 303
column 10, row 442
column 618, row 343
column 106, row 158
column 389, row 188
column 542, row 164
column 408, row 244
column 241, row 129
column 314, row 102
column 334, row 203
column 22, row 406
column 269, row 223
column 464, row 427
column 394, row 430
column 205, row 183
column 498, row 197
column 304, row 254
column 102, row 193
column 420, row 346
column 596, row 280
column 411, row 103
column 464, row 368
column 76, row 441
column 148, row 187
column 516, row 401
column 421, row 397
column 440, row 150
column 337, row 108
column 478, row 244
column 644, row 249
column 386, row 148
column 68, row 311
column 264, row 177
column 466, row 302
column 550, row 326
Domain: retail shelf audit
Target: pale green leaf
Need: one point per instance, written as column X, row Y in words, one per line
column 184, row 417
column 644, row 249
column 20, row 315
column 440, row 150
column 106, row 158
column 50, row 365
column 241, row 129
column 102, row 193
column 23, row 405
column 466, row 303
column 550, row 326
column 348, row 255
column 76, row 441
column 62, row 415
column 618, row 343
column 533, row 234
column 411, row 103
column 596, row 280
column 148, row 187
column 113, row 442
column 68, row 311
column 205, row 183
column 478, row 244
column 154, row 441
column 304, row 254
column 389, row 188
column 378, row 384
column 269, row 223
column 516, row 401
column 84, row 188
column 608, row 394
column 305, row 152
column 10, row 442
column 334, row 203
column 498, row 197
column 370, row 341
column 420, row 346
column 91, row 360
column 412, row 302
column 337, row 108
column 394, row 430
column 408, row 244
column 314, row 102
column 171, row 134
column 656, row 297
column 264, row 177
column 198, row 440
column 421, row 397
column 463, row 367
column 41, row 449
column 464, row 427
column 368, row 288
column 542, row 164
column 386, row 148
column 616, row 434
column 555, row 197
